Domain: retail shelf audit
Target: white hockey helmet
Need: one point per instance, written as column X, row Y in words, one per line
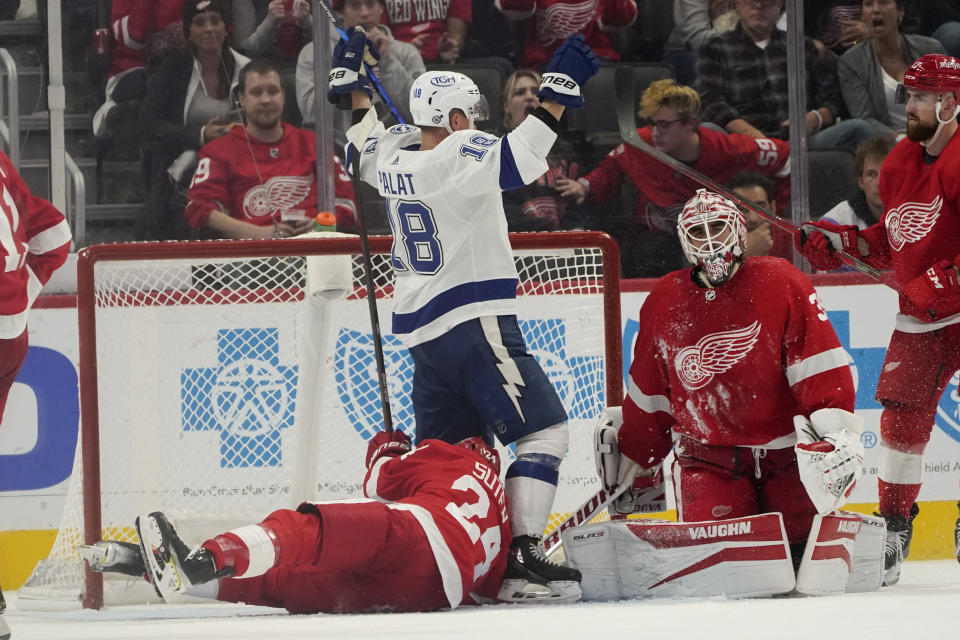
column 713, row 234
column 435, row 93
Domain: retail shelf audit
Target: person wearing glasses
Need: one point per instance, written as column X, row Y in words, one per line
column 650, row 247
column 743, row 82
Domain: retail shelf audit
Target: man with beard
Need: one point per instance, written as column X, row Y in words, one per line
column 259, row 180
column 919, row 236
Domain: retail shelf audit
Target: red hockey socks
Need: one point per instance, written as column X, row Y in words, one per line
column 904, row 433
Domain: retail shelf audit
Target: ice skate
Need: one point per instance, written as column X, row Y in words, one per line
column 899, row 533
column 528, row 565
column 172, row 568
column 114, row 556
column 4, row 629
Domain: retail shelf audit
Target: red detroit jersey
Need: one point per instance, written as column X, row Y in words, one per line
column 662, row 192
column 465, row 507
column 261, row 182
column 921, row 224
column 731, row 366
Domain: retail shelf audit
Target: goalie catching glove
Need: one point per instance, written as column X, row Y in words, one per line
column 645, row 492
column 347, row 73
column 829, row 456
column 570, row 67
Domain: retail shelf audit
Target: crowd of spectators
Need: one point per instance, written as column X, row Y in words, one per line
column 173, row 83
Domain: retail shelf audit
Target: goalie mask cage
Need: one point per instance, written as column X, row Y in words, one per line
column 223, row 380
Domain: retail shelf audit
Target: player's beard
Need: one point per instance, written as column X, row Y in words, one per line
column 920, row 131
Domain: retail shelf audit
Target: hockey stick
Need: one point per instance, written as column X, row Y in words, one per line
column 587, row 512
column 371, row 292
column 338, row 25
column 648, row 497
column 628, row 131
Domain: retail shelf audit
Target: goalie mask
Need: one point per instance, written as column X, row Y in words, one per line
column 435, row 93
column 713, row 234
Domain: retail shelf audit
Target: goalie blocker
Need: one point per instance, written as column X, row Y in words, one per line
column 740, row 557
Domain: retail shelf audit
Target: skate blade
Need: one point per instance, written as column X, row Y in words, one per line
column 524, row 592
column 163, row 573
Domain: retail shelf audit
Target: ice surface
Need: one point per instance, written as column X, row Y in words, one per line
column 924, row 604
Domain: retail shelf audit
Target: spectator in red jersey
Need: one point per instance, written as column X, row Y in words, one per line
column 188, row 104
column 651, row 248
column 410, row 548
column 259, row 180
column 143, row 31
column 438, row 29
column 549, row 22
column 538, row 206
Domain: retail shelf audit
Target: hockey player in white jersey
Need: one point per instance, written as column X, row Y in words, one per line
column 455, row 296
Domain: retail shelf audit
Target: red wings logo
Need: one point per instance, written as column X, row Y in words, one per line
column 714, row 353
column 911, row 222
column 560, row 20
column 279, row 194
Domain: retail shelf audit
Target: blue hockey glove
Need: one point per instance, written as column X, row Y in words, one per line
column 347, row 73
column 571, row 65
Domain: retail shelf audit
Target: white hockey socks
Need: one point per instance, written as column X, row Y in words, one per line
column 250, row 550
column 531, row 481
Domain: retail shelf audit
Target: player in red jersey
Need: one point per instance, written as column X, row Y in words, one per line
column 34, row 242
column 434, row 534
column 919, row 236
column 259, row 180
column 728, row 353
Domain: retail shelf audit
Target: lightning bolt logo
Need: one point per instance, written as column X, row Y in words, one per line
column 512, row 379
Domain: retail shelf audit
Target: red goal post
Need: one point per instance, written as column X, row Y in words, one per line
column 218, row 382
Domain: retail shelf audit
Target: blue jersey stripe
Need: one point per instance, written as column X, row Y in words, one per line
column 458, row 296
column 509, row 174
column 530, row 469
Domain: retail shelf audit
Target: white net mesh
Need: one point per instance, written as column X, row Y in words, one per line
column 226, row 389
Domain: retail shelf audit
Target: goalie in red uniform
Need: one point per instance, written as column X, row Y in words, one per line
column 919, row 236
column 434, row 534
column 736, row 360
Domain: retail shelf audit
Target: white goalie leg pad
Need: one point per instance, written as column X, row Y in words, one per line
column 741, row 557
column 825, row 567
column 866, row 566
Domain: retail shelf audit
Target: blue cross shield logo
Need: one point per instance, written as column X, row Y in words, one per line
column 249, row 397
column 579, row 380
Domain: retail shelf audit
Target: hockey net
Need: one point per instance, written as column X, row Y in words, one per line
column 219, row 381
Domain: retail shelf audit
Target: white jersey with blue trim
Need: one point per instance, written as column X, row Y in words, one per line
column 451, row 254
